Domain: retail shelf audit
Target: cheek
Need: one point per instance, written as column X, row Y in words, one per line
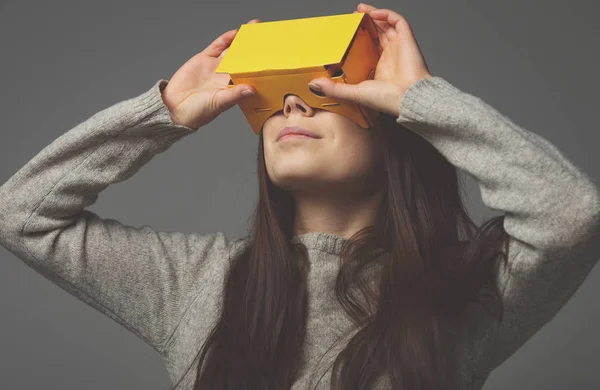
column 356, row 154
column 296, row 158
column 268, row 156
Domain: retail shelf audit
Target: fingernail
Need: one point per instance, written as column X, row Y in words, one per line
column 314, row 86
column 247, row 92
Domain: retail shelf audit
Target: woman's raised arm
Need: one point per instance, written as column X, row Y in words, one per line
column 141, row 278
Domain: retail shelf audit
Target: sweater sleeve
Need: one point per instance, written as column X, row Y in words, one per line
column 141, row 278
column 550, row 207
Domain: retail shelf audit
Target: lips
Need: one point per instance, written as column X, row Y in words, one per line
column 296, row 130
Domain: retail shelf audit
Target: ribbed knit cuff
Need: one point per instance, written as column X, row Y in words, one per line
column 151, row 114
column 420, row 96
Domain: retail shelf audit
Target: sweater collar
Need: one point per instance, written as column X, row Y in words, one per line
column 326, row 242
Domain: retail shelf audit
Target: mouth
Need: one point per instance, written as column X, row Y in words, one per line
column 289, row 132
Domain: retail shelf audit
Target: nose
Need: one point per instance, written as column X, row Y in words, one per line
column 294, row 104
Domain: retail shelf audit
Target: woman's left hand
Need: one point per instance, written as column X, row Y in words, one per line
column 401, row 64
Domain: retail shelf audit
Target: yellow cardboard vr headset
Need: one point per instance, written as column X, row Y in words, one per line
column 281, row 57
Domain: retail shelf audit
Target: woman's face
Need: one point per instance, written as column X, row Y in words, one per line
column 342, row 160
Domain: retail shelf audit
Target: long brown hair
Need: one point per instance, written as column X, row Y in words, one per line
column 436, row 261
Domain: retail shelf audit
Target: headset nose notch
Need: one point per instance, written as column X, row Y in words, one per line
column 293, row 103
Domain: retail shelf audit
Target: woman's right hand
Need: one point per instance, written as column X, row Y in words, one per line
column 196, row 95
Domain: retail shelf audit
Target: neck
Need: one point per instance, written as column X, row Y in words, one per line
column 336, row 214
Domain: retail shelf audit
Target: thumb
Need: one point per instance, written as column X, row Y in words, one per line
column 335, row 90
column 229, row 97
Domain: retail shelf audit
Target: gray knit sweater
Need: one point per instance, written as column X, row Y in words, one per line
column 165, row 287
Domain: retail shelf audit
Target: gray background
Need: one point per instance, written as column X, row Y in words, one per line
column 63, row 61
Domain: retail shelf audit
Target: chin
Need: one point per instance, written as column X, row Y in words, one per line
column 293, row 178
column 298, row 174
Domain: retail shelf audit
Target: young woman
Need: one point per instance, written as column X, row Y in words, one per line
column 362, row 268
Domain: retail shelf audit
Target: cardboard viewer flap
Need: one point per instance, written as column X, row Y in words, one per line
column 290, row 44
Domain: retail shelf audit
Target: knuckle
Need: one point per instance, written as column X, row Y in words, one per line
column 356, row 96
column 214, row 103
column 403, row 21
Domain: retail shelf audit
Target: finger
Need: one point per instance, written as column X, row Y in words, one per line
column 338, row 90
column 382, row 19
column 401, row 27
column 386, row 31
column 222, row 54
column 220, row 44
column 396, row 21
column 390, row 16
column 228, row 97
column 364, row 7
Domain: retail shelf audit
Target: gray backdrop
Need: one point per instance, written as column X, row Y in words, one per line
column 63, row 61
